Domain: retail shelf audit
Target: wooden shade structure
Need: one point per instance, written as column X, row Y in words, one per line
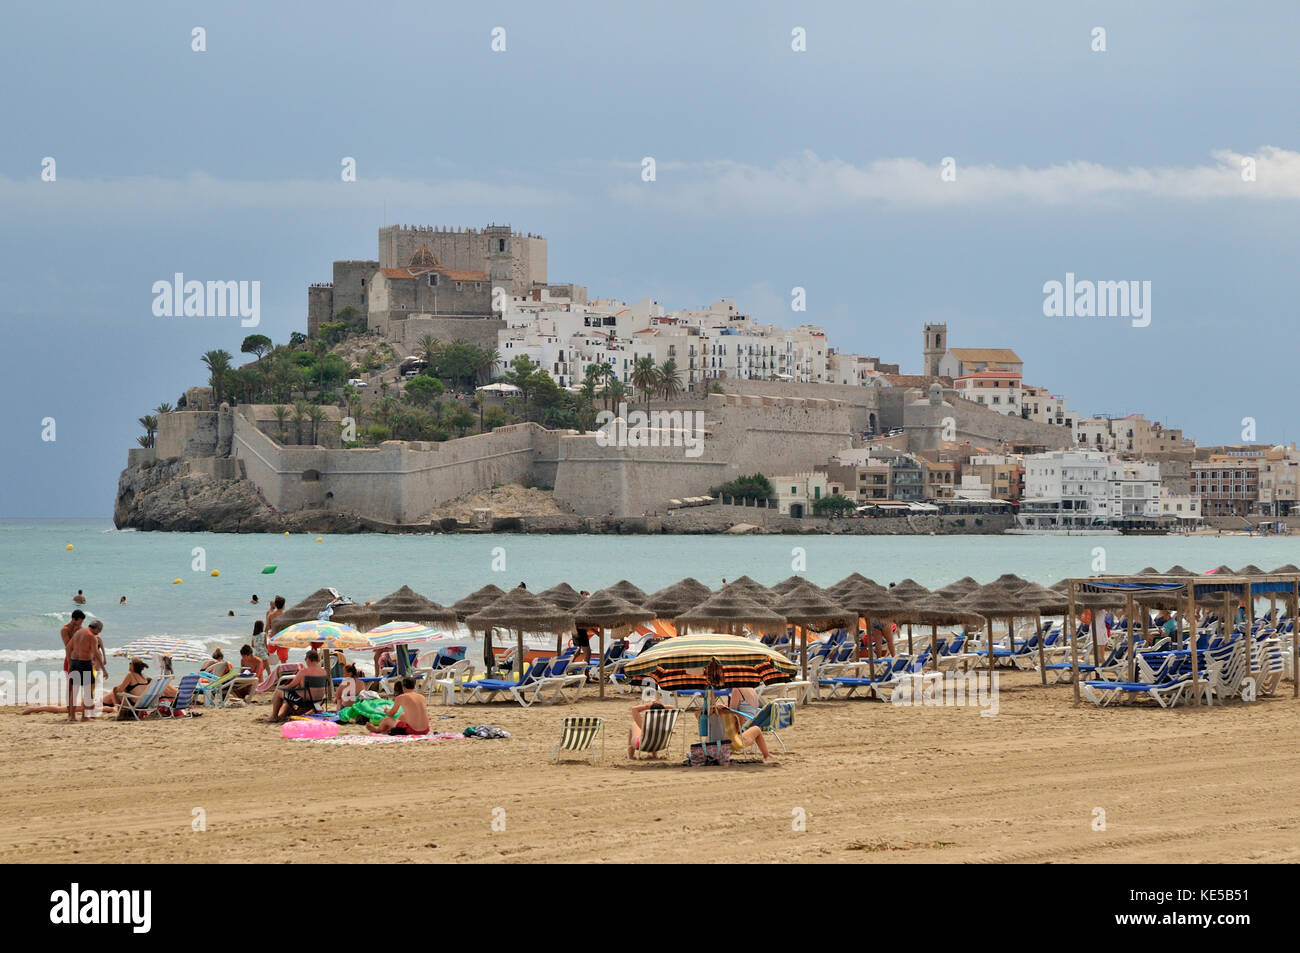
column 606, row 610
column 562, row 595
column 729, row 611
column 999, row 599
column 872, row 602
column 910, row 592
column 475, row 601
column 672, row 601
column 521, row 611
column 407, row 605
column 758, row 591
column 305, row 611
column 627, row 592
column 804, row 605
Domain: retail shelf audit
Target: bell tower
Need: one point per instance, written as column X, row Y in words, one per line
column 934, row 346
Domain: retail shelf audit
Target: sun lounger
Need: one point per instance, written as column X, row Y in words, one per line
column 1172, row 681
column 147, row 703
column 578, row 735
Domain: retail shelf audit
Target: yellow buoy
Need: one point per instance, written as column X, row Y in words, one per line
column 215, row 573
column 319, row 539
column 68, row 547
column 176, row 582
column 286, row 532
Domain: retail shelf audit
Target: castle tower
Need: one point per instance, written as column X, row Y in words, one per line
column 933, row 347
column 501, row 258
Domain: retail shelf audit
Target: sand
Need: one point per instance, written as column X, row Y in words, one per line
column 873, row 783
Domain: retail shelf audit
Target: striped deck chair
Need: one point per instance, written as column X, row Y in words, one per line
column 148, row 702
column 658, row 730
column 184, row 700
column 579, row 733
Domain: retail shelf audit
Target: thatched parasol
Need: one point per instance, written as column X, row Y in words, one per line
column 522, row 611
column 407, row 605
column 756, row 590
column 1149, row 571
column 625, row 590
column 1288, row 570
column 848, row 582
column 606, row 610
column 910, row 592
column 1177, row 570
column 960, row 589
column 729, row 610
column 804, row 605
column 305, row 611
column 466, row 607
column 1220, row 570
column 1251, row 570
column 936, row 610
column 672, row 601
column 999, row 599
column 562, row 595
column 788, row 583
column 872, row 602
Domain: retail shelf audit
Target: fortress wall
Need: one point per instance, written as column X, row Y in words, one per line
column 436, row 473
column 186, row 433
column 862, row 402
column 349, row 292
column 481, row 332
column 626, row 481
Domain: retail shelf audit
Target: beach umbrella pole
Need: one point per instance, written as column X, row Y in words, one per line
column 602, row 662
column 1042, row 656
column 1074, row 644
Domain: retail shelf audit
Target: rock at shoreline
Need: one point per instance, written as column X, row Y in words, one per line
column 169, row 497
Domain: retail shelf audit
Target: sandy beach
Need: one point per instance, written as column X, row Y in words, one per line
column 876, row 783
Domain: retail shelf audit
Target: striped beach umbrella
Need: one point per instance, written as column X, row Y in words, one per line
column 403, row 633
column 178, row 650
column 333, row 635
column 733, row 676
column 696, row 651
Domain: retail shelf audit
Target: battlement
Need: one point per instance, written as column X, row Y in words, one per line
column 457, row 230
column 321, row 284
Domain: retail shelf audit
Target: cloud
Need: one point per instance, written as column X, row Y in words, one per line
column 809, row 183
column 147, row 197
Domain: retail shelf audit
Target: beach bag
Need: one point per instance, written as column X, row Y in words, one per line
column 709, row 752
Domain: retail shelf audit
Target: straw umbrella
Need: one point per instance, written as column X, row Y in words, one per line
column 1000, row 599
column 1178, row 570
column 788, row 583
column 910, row 592
column 628, row 592
column 960, row 589
column 475, row 601
column 1044, row 600
column 806, row 604
column 850, row 581
column 522, row 611
column 872, row 602
column 672, row 601
column 757, row 590
column 937, row 610
column 305, row 611
column 562, row 595
column 407, row 605
column 605, row 610
column 730, row 610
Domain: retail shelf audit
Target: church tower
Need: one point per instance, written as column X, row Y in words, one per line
column 934, row 347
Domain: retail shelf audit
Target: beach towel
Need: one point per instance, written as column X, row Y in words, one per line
column 381, row 739
column 485, row 731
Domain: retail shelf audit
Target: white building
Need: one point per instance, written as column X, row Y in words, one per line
column 1134, row 490
column 1065, row 489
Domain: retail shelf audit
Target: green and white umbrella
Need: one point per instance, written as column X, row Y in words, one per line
column 178, row 650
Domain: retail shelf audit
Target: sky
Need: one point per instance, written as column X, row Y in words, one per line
column 775, row 169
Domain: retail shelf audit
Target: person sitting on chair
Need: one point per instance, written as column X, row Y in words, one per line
column 304, row 691
column 747, row 705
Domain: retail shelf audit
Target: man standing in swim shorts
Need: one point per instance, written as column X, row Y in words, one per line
column 68, row 631
column 81, row 651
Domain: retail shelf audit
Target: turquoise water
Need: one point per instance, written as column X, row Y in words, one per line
column 38, row 576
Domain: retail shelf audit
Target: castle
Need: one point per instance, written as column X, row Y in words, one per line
column 433, row 280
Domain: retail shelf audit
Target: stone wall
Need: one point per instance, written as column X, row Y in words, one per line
column 186, row 433
column 480, row 332
column 863, row 403
column 320, row 307
column 352, row 285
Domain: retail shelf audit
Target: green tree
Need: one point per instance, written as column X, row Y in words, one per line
column 150, row 424
column 462, row 419
column 281, row 415
column 378, row 433
column 645, row 378
column 163, row 408
column 256, row 345
column 430, row 348
column 669, row 381
column 753, row 487
column 317, row 414
column 495, row 417
column 836, row 504
column 297, row 339
column 218, row 365
column 423, row 390
column 300, row 416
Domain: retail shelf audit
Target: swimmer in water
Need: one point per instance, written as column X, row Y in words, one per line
column 122, row 601
column 79, row 598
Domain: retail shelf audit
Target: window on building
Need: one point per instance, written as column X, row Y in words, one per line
column 433, row 281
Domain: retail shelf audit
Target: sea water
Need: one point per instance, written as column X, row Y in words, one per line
column 39, row 575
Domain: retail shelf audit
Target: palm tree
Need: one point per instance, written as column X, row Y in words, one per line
column 281, row 415
column 615, row 391
column 486, row 359
column 645, row 378
column 670, row 385
column 150, row 424
column 431, row 348
column 218, row 365
column 300, row 414
column 604, row 375
column 163, row 408
column 317, row 414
